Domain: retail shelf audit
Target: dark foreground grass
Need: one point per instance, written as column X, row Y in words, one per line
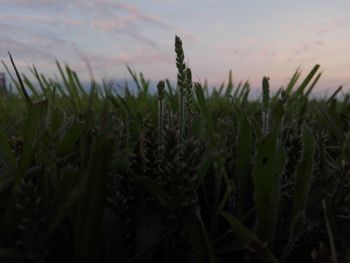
column 184, row 175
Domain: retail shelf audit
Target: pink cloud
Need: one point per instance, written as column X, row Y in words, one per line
column 43, row 19
column 139, row 58
column 319, row 42
column 129, row 23
column 268, row 52
column 108, row 25
column 249, row 40
column 141, row 16
column 332, row 25
column 104, row 15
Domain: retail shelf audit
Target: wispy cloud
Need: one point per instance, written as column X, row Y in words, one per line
column 100, row 62
column 132, row 23
column 332, row 25
column 31, row 35
column 44, row 19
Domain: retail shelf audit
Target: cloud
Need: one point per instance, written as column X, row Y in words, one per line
column 28, row 2
column 140, row 57
column 21, row 50
column 249, row 40
column 25, row 55
column 111, row 19
column 319, row 42
column 36, row 35
column 29, row 48
column 121, row 27
column 268, row 52
column 332, row 25
column 105, row 16
column 52, row 20
column 309, row 50
column 135, row 14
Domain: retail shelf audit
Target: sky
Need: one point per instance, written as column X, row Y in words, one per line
column 253, row 38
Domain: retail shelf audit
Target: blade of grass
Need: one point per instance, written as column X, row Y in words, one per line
column 333, row 126
column 69, row 139
column 7, row 158
column 30, row 86
column 303, row 176
column 35, row 120
column 293, row 81
column 26, row 96
column 330, row 233
column 307, row 93
column 243, row 164
column 306, row 81
column 249, row 237
column 204, row 108
column 135, row 78
column 89, row 216
column 335, row 93
column 269, row 165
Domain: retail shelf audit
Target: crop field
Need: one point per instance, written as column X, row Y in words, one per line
column 185, row 174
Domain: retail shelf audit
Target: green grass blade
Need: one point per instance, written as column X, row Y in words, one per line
column 243, row 164
column 13, row 79
column 32, row 129
column 135, row 78
column 208, row 244
column 335, row 93
column 74, row 89
column 237, row 89
column 69, row 139
column 265, row 105
column 43, row 88
column 249, row 237
column 204, row 109
column 307, row 93
column 33, row 123
column 62, row 73
column 30, row 86
column 333, row 126
column 229, row 88
column 306, row 81
column 26, row 96
column 7, row 158
column 293, row 81
column 302, row 186
column 269, row 166
column 89, row 216
column 66, row 202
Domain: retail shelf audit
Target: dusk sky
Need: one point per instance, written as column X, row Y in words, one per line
column 253, row 38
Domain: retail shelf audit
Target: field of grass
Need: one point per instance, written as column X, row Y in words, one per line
column 183, row 175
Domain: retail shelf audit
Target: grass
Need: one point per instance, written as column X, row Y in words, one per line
column 183, row 175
